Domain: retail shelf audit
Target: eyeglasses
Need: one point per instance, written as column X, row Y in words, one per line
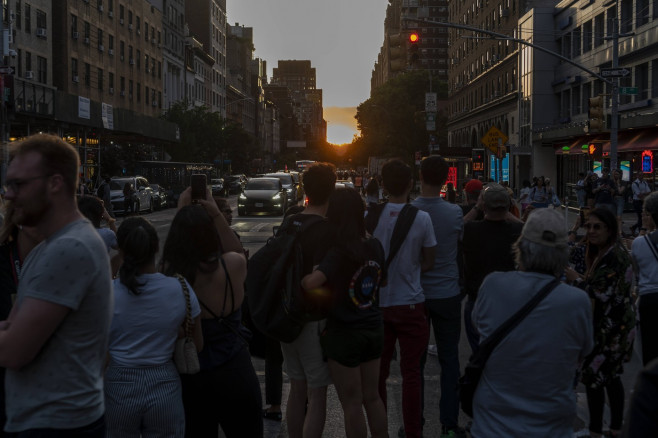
column 15, row 184
column 596, row 226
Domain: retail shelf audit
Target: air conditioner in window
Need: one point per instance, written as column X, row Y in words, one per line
column 152, row 40
column 154, row 103
column 41, row 32
column 100, row 8
column 101, row 48
column 123, row 93
column 495, row 58
column 111, row 90
column 86, row 40
column 139, row 32
column 76, row 78
column 75, row 35
column 110, row 14
column 505, row 13
column 121, row 21
column 130, row 27
column 132, row 61
column 110, row 52
column 29, row 74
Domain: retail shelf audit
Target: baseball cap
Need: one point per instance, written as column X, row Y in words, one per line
column 474, row 185
column 546, row 227
column 495, row 196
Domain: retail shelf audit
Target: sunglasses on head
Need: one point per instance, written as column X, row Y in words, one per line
column 596, row 226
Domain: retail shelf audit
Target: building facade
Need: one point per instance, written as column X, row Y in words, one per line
column 173, row 51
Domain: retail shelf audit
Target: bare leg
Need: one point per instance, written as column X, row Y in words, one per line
column 296, row 407
column 348, row 386
column 372, row 401
column 317, row 412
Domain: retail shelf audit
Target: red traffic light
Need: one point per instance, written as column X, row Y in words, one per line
column 592, row 149
column 413, row 37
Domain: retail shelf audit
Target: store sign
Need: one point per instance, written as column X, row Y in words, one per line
column 452, row 176
column 647, row 161
column 493, row 168
column 83, row 108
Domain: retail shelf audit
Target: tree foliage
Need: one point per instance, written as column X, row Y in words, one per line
column 206, row 137
column 392, row 120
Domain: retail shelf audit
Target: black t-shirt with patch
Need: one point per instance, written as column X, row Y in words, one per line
column 487, row 247
column 354, row 286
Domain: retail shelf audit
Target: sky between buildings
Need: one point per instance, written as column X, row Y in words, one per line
column 342, row 39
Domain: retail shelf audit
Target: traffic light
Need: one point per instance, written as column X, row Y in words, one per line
column 414, row 41
column 595, row 113
column 478, row 159
column 396, row 53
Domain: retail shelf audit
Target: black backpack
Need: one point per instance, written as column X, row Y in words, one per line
column 275, row 297
column 101, row 191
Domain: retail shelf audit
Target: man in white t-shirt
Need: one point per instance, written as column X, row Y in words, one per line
column 640, row 190
column 402, row 301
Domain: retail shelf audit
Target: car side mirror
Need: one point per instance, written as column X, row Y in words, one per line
column 140, row 188
column 275, row 229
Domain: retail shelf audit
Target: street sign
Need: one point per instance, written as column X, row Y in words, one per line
column 618, row 72
column 628, row 90
column 430, row 121
column 490, row 139
column 7, row 70
column 430, row 102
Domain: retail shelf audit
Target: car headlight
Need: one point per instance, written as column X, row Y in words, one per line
column 242, row 196
column 277, row 196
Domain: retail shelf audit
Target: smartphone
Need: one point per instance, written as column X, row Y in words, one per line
column 198, row 182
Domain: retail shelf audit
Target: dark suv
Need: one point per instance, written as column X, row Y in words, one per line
column 235, row 183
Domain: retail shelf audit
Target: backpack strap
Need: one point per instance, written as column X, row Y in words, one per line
column 652, row 244
column 372, row 218
column 402, row 226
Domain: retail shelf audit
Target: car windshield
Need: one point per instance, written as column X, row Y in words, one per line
column 215, row 181
column 285, row 179
column 262, row 184
column 155, row 187
column 117, row 184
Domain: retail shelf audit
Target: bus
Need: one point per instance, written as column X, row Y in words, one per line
column 303, row 164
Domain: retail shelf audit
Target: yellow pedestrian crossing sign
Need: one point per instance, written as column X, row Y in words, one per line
column 492, row 137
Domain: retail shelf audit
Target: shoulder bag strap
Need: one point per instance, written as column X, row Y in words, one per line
column 651, row 245
column 188, row 307
column 402, row 226
column 488, row 346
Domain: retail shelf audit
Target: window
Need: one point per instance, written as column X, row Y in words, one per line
column 87, row 74
column 138, row 25
column 130, row 55
column 611, row 17
column 654, row 78
column 599, row 32
column 146, row 31
column 28, row 18
column 577, row 39
column 159, row 70
column 123, row 85
column 74, row 69
column 110, row 81
column 122, row 50
column 42, row 69
column 139, row 58
column 130, row 17
column 28, row 61
column 586, row 94
column 130, row 89
column 110, row 5
column 642, row 81
column 41, row 20
column 146, row 94
column 110, row 42
column 100, row 37
column 19, row 17
column 575, row 100
column 121, row 13
column 626, row 24
column 642, row 12
column 587, row 36
column 87, row 30
column 139, row 92
column 100, row 79
column 74, row 23
column 566, row 46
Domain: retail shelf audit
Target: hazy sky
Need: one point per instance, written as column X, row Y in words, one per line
column 342, row 39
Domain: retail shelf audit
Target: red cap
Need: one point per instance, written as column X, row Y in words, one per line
column 474, row 185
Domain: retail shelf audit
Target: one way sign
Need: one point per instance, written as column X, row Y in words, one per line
column 619, row 72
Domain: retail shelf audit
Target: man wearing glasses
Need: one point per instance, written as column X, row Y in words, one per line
column 55, row 338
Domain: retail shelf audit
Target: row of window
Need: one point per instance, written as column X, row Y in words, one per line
column 26, row 69
column 87, row 31
column 150, row 94
column 486, row 92
column 22, row 18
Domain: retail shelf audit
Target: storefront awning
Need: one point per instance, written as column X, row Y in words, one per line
column 627, row 141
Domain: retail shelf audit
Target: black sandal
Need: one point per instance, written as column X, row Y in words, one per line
column 274, row 416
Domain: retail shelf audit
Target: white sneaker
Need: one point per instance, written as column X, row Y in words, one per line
column 431, row 349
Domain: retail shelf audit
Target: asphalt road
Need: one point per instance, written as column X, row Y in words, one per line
column 254, row 232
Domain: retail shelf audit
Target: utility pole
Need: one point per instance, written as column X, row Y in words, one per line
column 3, row 107
column 614, row 110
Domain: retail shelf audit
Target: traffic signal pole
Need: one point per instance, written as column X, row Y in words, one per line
column 614, row 124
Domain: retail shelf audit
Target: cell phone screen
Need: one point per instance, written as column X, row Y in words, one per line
column 198, row 184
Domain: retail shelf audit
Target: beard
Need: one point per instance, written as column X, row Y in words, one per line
column 30, row 213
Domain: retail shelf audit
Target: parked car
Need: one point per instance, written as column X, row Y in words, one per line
column 288, row 184
column 142, row 199
column 346, row 183
column 159, row 196
column 235, row 183
column 265, row 195
column 217, row 187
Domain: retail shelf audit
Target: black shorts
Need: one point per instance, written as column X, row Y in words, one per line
column 351, row 347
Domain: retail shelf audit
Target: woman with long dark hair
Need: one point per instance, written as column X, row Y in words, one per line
column 354, row 336
column 607, row 280
column 149, row 309
column 226, row 392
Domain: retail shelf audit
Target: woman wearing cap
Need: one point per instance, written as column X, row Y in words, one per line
column 510, row 399
column 607, row 281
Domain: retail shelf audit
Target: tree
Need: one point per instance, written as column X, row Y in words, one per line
column 392, row 120
column 207, row 137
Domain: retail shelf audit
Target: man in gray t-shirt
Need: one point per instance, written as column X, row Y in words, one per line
column 55, row 339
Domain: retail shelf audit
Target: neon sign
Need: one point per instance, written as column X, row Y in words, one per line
column 647, row 161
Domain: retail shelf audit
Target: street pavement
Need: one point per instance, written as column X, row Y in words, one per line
column 254, row 232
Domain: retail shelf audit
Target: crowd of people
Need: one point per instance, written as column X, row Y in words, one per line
column 87, row 343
